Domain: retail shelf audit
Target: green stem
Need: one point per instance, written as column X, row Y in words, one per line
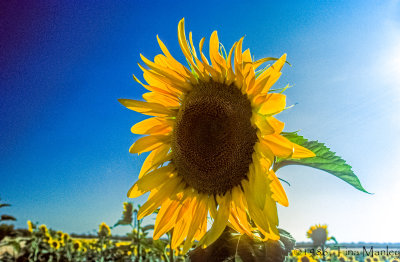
column 171, row 252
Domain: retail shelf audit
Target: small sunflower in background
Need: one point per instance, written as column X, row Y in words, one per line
column 31, row 226
column 59, row 234
column 65, row 237
column 43, row 229
column 305, row 258
column 54, row 244
column 318, row 234
column 213, row 139
column 104, row 230
column 46, row 237
column 77, row 245
column 342, row 258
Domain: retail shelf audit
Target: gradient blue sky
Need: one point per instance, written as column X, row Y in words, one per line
column 64, row 138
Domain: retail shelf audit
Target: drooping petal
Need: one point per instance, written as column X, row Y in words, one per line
column 219, row 223
column 278, row 193
column 199, row 215
column 255, row 212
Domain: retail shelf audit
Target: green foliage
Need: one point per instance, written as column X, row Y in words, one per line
column 127, row 215
column 325, row 160
column 7, row 217
column 232, row 246
column 5, row 229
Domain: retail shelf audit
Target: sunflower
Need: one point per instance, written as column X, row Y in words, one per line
column 54, row 243
column 342, row 258
column 305, row 258
column 77, row 245
column 104, row 230
column 31, row 226
column 46, row 237
column 43, row 229
column 318, row 234
column 213, row 140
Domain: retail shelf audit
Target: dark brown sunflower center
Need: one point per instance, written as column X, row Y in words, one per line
column 213, row 139
column 319, row 236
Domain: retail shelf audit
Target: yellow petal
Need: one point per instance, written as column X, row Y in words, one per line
column 255, row 212
column 279, row 145
column 219, row 223
column 184, row 45
column 263, row 125
column 146, row 108
column 172, row 61
column 166, row 217
column 168, row 73
column 153, row 125
column 182, row 226
column 150, row 181
column 230, row 74
column 155, row 159
column 270, row 211
column 217, row 60
column 209, row 69
column 278, row 193
column 199, row 214
column 267, row 78
column 203, row 76
column 258, row 182
column 170, row 188
column 301, row 152
column 149, row 143
column 238, row 215
column 265, row 152
column 162, row 90
column 155, row 79
column 275, row 124
column 162, row 99
column 272, row 104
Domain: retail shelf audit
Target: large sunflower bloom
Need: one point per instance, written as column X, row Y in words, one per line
column 213, row 139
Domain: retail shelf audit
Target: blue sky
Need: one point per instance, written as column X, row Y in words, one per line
column 64, row 138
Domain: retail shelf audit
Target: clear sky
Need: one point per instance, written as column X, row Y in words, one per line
column 64, row 138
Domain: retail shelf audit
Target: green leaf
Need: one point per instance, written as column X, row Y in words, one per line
column 148, row 227
column 7, row 217
column 325, row 160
